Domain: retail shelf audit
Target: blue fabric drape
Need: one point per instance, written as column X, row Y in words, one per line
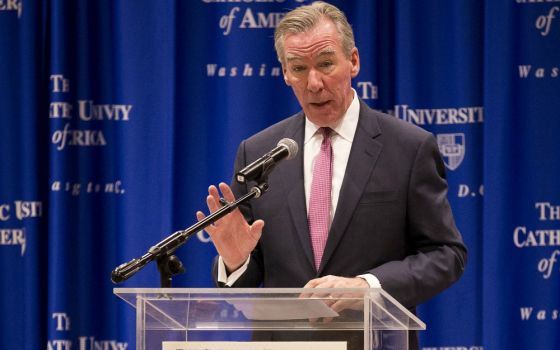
column 116, row 116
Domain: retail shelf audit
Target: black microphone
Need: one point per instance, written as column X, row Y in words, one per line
column 286, row 149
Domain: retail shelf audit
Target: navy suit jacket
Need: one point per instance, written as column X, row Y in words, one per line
column 393, row 218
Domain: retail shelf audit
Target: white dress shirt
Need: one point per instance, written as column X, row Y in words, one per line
column 341, row 141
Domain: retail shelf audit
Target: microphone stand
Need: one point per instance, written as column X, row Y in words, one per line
column 169, row 264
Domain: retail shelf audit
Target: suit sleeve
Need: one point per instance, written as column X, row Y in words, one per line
column 253, row 276
column 437, row 255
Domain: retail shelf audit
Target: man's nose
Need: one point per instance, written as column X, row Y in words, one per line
column 314, row 81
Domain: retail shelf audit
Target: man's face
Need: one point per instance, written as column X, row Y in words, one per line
column 319, row 72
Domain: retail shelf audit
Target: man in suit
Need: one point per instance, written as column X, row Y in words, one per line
column 364, row 202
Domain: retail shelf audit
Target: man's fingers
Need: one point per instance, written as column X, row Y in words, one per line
column 213, row 191
column 200, row 216
column 338, row 306
column 312, row 283
column 212, row 203
column 227, row 192
column 322, row 282
column 256, row 229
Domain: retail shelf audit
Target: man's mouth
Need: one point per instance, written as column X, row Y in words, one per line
column 319, row 104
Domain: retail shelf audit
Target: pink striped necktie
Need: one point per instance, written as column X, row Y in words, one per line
column 320, row 198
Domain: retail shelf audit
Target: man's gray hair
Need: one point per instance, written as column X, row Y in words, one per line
column 304, row 18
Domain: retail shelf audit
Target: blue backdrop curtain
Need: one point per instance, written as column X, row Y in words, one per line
column 115, row 116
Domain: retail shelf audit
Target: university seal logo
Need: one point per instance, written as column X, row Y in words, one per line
column 452, row 148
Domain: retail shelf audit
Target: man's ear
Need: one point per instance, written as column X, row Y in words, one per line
column 284, row 73
column 355, row 60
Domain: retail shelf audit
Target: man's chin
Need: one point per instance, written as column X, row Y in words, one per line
column 324, row 119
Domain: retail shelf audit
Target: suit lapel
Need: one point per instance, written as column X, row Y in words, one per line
column 361, row 162
column 295, row 190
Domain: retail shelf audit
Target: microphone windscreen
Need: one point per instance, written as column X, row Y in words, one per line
column 290, row 145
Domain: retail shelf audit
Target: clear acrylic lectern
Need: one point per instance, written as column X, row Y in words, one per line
column 356, row 318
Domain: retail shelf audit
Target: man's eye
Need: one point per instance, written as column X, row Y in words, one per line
column 298, row 68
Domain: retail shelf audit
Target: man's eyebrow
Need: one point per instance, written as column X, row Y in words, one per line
column 290, row 58
column 328, row 51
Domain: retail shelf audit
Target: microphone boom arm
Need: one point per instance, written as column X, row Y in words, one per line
column 165, row 249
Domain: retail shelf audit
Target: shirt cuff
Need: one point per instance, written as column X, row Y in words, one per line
column 234, row 276
column 370, row 279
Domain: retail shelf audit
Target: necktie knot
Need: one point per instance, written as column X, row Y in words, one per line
column 326, row 132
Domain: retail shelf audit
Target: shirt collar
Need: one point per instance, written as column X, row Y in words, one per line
column 347, row 126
